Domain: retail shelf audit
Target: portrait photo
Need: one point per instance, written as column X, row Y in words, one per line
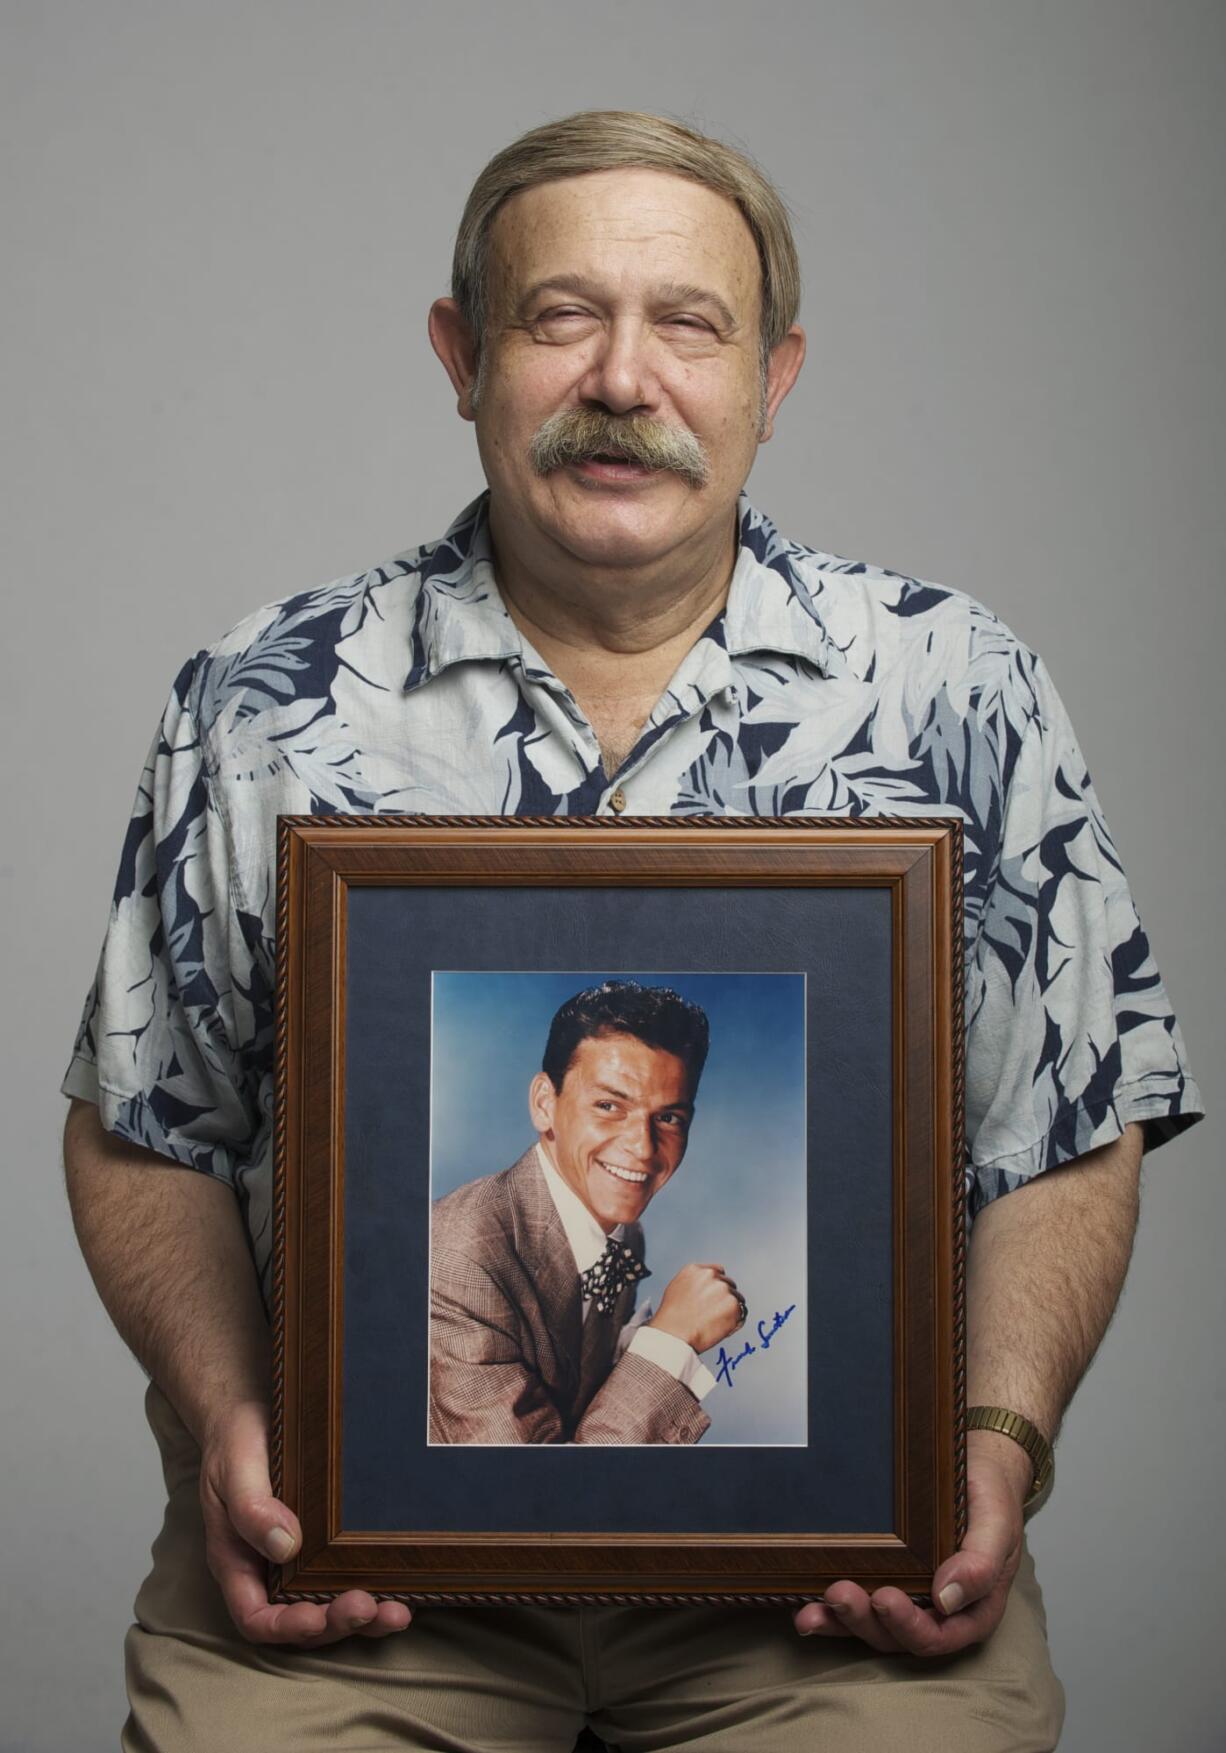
column 606, row 1094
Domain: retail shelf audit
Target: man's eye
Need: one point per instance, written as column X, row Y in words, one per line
column 607, row 1107
column 672, row 1120
column 684, row 322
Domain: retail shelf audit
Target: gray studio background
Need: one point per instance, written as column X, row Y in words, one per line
column 223, row 226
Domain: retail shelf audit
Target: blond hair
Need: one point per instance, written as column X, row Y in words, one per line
column 594, row 140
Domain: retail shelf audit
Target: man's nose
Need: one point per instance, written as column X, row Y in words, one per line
column 636, row 1137
column 621, row 377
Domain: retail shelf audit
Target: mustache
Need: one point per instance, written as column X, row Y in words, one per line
column 574, row 435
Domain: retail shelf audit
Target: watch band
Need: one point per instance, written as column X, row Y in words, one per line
column 1036, row 1445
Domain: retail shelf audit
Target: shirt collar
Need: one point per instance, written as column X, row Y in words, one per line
column 460, row 616
column 586, row 1237
column 772, row 605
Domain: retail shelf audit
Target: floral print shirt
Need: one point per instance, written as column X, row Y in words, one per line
column 825, row 686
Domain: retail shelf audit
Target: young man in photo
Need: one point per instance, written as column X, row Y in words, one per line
column 533, row 1271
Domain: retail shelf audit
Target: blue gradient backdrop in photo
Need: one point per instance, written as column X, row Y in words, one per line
column 739, row 1195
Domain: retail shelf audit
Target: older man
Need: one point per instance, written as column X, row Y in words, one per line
column 609, row 628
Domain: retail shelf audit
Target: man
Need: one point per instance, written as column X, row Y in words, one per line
column 533, row 1271
column 611, row 628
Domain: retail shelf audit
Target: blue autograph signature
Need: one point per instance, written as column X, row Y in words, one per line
column 725, row 1364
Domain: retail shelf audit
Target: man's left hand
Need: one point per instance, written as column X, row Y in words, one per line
column 970, row 1589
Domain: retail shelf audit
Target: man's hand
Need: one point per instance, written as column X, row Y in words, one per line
column 700, row 1305
column 1045, row 1267
column 242, row 1520
column 970, row 1589
column 185, row 1299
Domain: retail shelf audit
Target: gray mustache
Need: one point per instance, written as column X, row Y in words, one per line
column 574, row 435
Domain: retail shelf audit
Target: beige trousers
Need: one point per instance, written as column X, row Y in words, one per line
column 526, row 1679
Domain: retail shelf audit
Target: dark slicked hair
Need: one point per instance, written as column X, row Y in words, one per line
column 655, row 1015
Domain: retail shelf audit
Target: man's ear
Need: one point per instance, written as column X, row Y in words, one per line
column 781, row 373
column 542, row 1099
column 452, row 340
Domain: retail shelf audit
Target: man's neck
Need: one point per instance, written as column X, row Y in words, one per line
column 614, row 635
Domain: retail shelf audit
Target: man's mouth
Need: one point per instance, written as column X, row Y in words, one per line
column 607, row 462
column 635, row 1176
column 635, row 450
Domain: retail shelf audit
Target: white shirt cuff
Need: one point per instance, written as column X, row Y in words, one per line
column 674, row 1355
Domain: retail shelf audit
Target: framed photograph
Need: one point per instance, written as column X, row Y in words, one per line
column 620, row 1238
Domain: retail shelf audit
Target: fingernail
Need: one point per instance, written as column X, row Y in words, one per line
column 951, row 1598
column 278, row 1543
column 359, row 1620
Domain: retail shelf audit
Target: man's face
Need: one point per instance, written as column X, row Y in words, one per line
column 625, row 292
column 616, row 1131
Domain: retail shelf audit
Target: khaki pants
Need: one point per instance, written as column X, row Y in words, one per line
column 525, row 1679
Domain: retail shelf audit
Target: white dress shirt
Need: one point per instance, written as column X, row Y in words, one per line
column 587, row 1243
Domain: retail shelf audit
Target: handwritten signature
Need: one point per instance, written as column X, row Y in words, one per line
column 725, row 1363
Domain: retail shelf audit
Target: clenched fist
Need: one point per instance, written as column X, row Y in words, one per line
column 700, row 1305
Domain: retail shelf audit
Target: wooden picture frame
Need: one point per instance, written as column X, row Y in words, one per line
column 868, row 912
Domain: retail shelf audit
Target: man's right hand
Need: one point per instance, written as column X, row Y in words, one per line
column 186, row 1300
column 700, row 1306
column 244, row 1525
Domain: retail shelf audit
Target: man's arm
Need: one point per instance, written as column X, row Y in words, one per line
column 484, row 1390
column 167, row 1251
column 1046, row 1266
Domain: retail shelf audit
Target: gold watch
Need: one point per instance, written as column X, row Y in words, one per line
column 1036, row 1445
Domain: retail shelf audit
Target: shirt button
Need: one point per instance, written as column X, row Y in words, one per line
column 617, row 802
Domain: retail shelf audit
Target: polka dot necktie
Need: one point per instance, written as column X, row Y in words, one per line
column 617, row 1267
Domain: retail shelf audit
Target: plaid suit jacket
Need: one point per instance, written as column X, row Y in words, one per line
column 511, row 1358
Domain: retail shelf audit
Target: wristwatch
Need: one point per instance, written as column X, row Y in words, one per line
column 1036, row 1445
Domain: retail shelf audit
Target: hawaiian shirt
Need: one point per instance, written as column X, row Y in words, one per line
column 825, row 686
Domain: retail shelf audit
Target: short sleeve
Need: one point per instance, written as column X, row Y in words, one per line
column 1070, row 1034
column 174, row 1034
